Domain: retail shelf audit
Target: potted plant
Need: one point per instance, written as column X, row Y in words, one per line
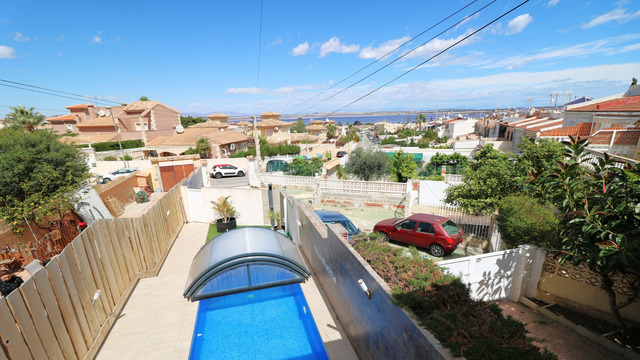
column 277, row 218
column 226, row 214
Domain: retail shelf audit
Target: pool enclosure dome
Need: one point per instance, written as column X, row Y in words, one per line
column 244, row 259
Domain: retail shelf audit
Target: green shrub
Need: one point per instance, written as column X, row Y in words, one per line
column 127, row 157
column 110, row 158
column 114, row 145
column 523, row 220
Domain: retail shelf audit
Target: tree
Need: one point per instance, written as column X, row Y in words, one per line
column 367, row 165
column 537, row 158
column 203, row 147
column 421, row 119
column 331, row 131
column 402, row 167
column 302, row 167
column 523, row 220
column 634, row 81
column 39, row 177
column 21, row 117
column 143, row 98
column 187, row 121
column 352, row 134
column 492, row 177
column 299, row 127
column 600, row 226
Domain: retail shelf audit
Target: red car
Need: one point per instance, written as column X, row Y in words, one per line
column 437, row 233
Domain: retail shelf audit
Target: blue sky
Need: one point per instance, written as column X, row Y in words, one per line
column 202, row 57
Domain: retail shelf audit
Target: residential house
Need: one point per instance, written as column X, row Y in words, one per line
column 223, row 143
column 317, row 130
column 144, row 120
column 384, row 127
column 458, row 127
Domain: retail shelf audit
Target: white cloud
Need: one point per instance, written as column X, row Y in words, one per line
column 606, row 46
column 384, row 48
column 334, row 45
column 437, row 45
column 246, row 91
column 301, row 49
column 7, row 52
column 276, row 42
column 97, row 39
column 552, row 3
column 619, row 15
column 21, row 38
column 59, row 38
column 518, row 24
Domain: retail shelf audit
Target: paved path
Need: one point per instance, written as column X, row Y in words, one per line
column 563, row 341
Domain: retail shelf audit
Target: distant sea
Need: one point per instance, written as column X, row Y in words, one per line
column 364, row 119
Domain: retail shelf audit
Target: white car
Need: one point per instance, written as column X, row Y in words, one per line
column 220, row 170
column 118, row 173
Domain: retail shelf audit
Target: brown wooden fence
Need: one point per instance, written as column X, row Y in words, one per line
column 54, row 311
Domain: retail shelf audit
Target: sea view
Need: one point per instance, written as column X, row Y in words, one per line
column 364, row 119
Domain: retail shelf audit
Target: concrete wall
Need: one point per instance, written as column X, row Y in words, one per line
column 377, row 329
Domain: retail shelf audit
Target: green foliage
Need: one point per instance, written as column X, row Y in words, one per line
column 367, row 165
column 405, row 133
column 351, row 134
column 430, row 134
column 391, row 140
column 39, row 176
column 224, row 209
column 303, row 167
column 537, row 159
column 114, row 145
column 435, row 177
column 298, row 127
column 23, row 118
column 203, row 147
column 634, row 81
column 492, row 177
column 523, row 220
column 143, row 98
column 331, row 131
column 190, row 151
column 110, row 158
column 448, row 159
column 127, row 157
column 187, row 121
column 402, row 167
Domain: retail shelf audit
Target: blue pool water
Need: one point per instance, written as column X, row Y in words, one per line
column 273, row 323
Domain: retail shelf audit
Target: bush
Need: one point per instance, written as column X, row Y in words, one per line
column 110, row 158
column 114, row 145
column 523, row 220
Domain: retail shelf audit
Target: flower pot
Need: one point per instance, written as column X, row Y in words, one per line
column 225, row 226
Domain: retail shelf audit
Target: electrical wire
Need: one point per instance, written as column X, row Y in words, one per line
column 76, row 96
column 402, row 56
column 429, row 59
column 385, row 55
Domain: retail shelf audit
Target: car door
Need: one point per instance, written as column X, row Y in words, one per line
column 228, row 170
column 425, row 234
column 404, row 231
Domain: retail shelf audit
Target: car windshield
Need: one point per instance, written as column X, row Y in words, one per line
column 451, row 228
column 348, row 225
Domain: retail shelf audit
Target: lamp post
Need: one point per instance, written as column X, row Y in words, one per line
column 117, row 135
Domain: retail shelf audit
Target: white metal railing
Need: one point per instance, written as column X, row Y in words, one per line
column 287, row 180
column 363, row 186
column 453, row 178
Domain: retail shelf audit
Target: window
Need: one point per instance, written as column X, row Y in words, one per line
column 408, row 225
column 139, row 127
column 69, row 127
column 426, row 228
column 451, row 228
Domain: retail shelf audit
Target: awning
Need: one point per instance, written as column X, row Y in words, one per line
column 244, row 259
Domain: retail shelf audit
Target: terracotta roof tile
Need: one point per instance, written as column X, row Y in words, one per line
column 245, row 123
column 315, row 128
column 210, row 124
column 270, row 113
column 623, row 136
column 98, row 122
column 629, row 103
column 272, row 122
column 79, row 106
column 217, row 115
column 68, row 117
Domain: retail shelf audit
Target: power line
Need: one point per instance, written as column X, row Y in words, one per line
column 36, row 108
column 53, row 90
column 383, row 56
column 402, row 56
column 429, row 59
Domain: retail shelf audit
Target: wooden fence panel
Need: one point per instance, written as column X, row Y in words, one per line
column 23, row 319
column 125, row 246
column 135, row 244
column 147, row 249
column 73, row 317
column 78, row 289
column 125, row 270
column 3, row 355
column 152, row 238
column 40, row 320
column 11, row 337
column 89, row 277
column 101, row 256
column 100, row 274
column 63, row 333
column 106, row 247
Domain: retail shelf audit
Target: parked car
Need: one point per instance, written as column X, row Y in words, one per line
column 277, row 165
column 118, row 173
column 220, row 170
column 334, row 217
column 437, row 233
column 341, row 153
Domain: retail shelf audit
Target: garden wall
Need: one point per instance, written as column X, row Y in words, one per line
column 377, row 329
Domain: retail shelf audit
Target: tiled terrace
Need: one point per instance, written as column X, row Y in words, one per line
column 157, row 322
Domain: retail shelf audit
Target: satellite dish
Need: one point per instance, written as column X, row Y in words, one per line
column 179, row 129
column 102, row 113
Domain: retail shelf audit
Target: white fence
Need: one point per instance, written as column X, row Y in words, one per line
column 349, row 186
column 500, row 275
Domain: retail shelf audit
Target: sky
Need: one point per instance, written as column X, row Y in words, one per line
column 306, row 57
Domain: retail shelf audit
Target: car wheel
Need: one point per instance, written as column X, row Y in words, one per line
column 106, row 180
column 384, row 235
column 240, row 173
column 218, row 175
column 436, row 250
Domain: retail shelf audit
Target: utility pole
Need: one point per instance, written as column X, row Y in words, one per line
column 109, row 109
column 257, row 142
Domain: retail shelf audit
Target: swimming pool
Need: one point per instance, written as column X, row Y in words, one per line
column 272, row 323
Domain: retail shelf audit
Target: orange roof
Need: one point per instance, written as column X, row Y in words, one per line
column 88, row 138
column 68, row 117
column 79, row 106
column 270, row 113
column 210, row 124
column 582, row 129
column 623, row 136
column 217, row 115
column 98, row 122
column 272, row 122
column 245, row 123
column 629, row 103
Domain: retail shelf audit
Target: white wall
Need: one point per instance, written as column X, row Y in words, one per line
column 103, row 167
column 250, row 204
column 432, row 192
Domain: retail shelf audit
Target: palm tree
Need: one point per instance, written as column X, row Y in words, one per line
column 21, row 117
column 203, row 147
column 421, row 120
